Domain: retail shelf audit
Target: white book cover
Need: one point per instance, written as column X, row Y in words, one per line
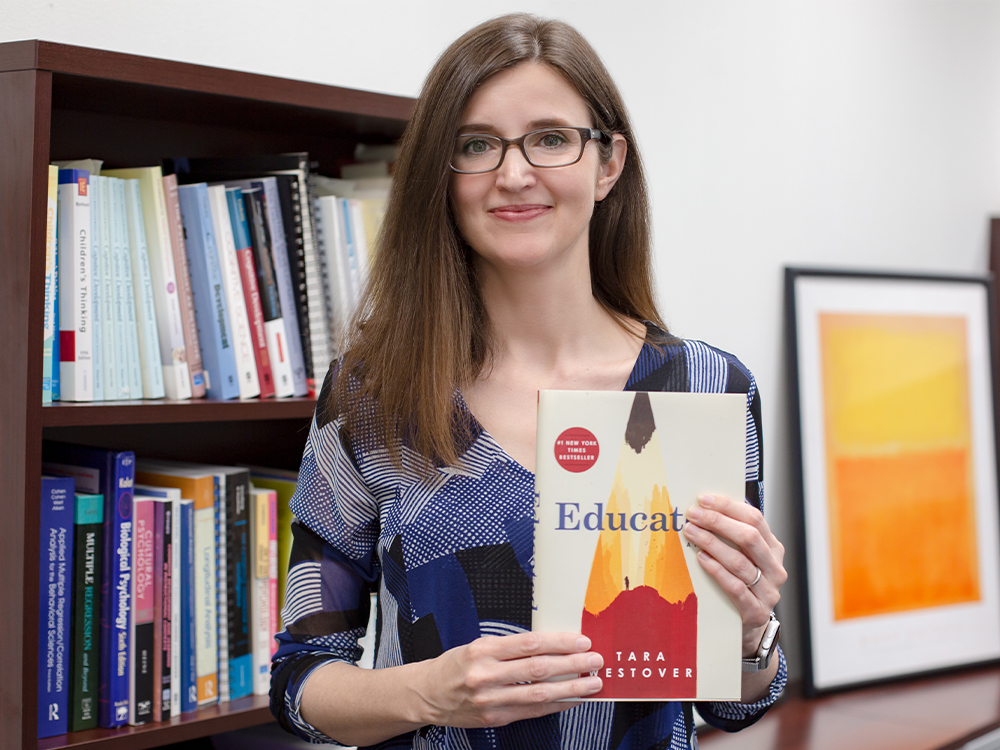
column 246, row 365
column 109, row 342
column 96, row 287
column 133, row 369
column 329, row 218
column 142, row 284
column 260, row 589
column 76, row 369
column 176, row 626
column 616, row 473
column 169, row 324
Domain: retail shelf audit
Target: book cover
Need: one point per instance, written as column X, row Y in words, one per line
column 196, row 483
column 88, row 542
column 48, row 315
column 188, row 629
column 616, row 472
column 274, row 324
column 172, row 349
column 283, row 482
column 54, row 590
column 131, row 384
column 185, row 298
column 251, row 291
column 96, row 287
column 76, row 369
column 141, row 685
column 210, row 307
column 260, row 587
column 151, row 366
column 111, row 474
column 246, row 366
column 109, row 342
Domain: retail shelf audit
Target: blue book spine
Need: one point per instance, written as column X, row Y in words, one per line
column 188, row 624
column 54, row 590
column 54, row 376
column 96, row 297
column 208, row 290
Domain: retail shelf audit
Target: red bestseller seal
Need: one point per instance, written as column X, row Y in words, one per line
column 576, row 449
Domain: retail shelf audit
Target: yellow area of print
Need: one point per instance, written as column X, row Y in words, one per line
column 899, row 463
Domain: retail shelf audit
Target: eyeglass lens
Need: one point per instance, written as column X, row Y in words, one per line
column 555, row 147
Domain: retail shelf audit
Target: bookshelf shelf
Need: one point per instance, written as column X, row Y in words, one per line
column 66, row 102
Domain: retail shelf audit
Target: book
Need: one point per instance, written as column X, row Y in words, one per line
column 109, row 343
column 274, row 324
column 151, row 366
column 110, row 474
column 246, row 366
column 283, row 482
column 88, row 543
column 130, row 385
column 76, row 370
column 264, row 505
column 183, row 276
column 48, row 315
column 96, row 287
column 251, row 292
column 122, row 333
column 172, row 350
column 332, row 247
column 187, row 585
column 142, row 639
column 197, row 484
column 54, row 591
column 177, row 630
column 272, row 572
column 210, row 306
column 55, row 323
column 615, row 474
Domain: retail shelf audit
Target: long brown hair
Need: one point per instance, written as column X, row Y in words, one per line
column 421, row 329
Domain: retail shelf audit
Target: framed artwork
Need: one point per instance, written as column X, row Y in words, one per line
column 892, row 381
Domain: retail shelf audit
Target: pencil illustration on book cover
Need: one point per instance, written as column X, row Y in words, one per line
column 615, row 474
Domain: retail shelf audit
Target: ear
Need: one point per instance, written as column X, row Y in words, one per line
column 612, row 170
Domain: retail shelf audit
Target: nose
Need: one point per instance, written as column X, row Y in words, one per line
column 515, row 173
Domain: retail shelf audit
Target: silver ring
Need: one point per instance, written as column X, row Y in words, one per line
column 755, row 580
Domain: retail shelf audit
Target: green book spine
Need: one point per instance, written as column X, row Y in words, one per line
column 84, row 664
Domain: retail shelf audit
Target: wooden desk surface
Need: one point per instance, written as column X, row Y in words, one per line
column 936, row 713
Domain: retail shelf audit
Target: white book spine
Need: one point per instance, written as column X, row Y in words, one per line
column 349, row 253
column 205, row 580
column 221, row 591
column 177, row 629
column 277, row 352
column 49, row 316
column 75, row 366
column 108, row 338
column 246, row 366
column 260, row 593
column 329, row 219
column 149, row 338
column 360, row 240
column 96, row 287
column 320, row 314
column 118, row 257
column 133, row 362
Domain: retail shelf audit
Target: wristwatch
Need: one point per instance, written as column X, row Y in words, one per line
column 768, row 645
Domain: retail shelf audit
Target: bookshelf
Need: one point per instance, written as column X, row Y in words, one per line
column 64, row 102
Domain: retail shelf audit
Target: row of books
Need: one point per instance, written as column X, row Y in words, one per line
column 159, row 585
column 226, row 278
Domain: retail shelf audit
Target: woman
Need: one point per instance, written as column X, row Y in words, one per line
column 515, row 256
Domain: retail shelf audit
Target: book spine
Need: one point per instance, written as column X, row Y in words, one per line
column 260, row 592
column 118, row 273
column 183, row 277
column 329, row 230
column 351, row 254
column 54, row 592
column 206, row 585
column 221, row 590
column 162, row 593
column 283, row 282
column 96, row 288
column 360, row 237
column 176, row 625
column 133, row 371
column 272, row 570
column 116, row 589
column 109, row 342
column 141, row 683
column 76, row 373
column 85, row 649
column 251, row 292
column 48, row 316
column 320, row 326
column 237, row 585
column 287, row 187
column 188, row 607
column 211, row 313
column 235, row 301
column 55, row 319
column 149, row 338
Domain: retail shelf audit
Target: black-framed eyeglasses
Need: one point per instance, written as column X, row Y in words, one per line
column 475, row 153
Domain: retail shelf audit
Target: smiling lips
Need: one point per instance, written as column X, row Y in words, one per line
column 519, row 212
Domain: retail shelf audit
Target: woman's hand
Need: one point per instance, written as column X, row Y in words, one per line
column 752, row 572
column 496, row 680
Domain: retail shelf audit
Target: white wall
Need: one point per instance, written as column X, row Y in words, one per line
column 853, row 134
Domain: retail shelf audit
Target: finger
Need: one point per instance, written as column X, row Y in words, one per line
column 745, row 536
column 739, row 510
column 542, row 693
column 753, row 610
column 733, row 559
column 546, row 667
column 530, row 644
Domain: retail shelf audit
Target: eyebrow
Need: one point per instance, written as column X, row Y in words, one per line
column 479, row 127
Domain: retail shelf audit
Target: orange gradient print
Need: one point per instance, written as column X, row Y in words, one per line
column 899, row 463
column 640, row 610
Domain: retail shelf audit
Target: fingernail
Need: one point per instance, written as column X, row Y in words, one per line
column 694, row 512
column 691, row 531
column 594, row 684
column 595, row 661
column 583, row 643
column 707, row 500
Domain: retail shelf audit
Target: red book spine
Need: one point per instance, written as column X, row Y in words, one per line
column 256, row 315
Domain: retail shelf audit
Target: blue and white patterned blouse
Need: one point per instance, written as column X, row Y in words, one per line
column 450, row 558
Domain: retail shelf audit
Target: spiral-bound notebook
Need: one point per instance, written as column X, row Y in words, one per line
column 616, row 472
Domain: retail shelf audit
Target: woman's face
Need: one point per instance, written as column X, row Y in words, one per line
column 521, row 216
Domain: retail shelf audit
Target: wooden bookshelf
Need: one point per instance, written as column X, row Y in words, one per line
column 64, row 102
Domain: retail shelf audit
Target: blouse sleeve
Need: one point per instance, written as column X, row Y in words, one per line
column 331, row 572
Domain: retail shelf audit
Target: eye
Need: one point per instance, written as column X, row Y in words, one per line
column 476, row 146
column 552, row 139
